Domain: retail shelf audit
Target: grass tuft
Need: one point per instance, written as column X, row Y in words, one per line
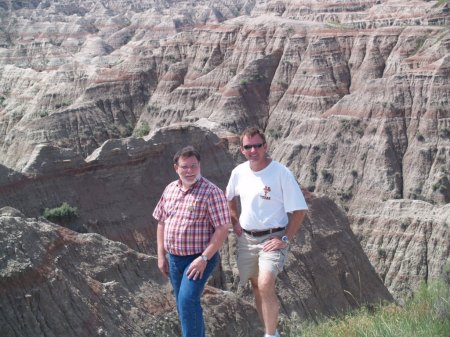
column 426, row 314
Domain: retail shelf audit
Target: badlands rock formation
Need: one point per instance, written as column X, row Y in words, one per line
column 353, row 95
column 92, row 282
column 56, row 282
column 117, row 187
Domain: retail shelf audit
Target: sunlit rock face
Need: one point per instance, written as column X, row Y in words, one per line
column 354, row 98
column 115, row 191
column 58, row 282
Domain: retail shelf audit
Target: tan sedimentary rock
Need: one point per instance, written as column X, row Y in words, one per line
column 98, row 281
column 353, row 96
column 58, row 282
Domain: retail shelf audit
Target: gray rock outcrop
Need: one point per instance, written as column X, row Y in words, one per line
column 354, row 97
column 56, row 282
column 327, row 271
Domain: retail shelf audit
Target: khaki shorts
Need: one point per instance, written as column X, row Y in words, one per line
column 251, row 258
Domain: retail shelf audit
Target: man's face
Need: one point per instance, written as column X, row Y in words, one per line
column 253, row 148
column 188, row 169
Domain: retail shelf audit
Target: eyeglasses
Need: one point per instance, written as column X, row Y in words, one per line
column 255, row 146
column 187, row 167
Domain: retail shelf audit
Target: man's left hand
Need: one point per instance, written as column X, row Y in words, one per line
column 196, row 268
column 274, row 243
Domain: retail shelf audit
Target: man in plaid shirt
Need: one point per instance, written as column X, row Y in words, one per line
column 193, row 219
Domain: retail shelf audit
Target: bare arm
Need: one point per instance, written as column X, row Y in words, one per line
column 162, row 260
column 232, row 205
column 295, row 221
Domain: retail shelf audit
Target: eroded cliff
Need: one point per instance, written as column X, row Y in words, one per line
column 354, row 97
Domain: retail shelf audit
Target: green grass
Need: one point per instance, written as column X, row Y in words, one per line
column 441, row 2
column 427, row 314
column 142, row 131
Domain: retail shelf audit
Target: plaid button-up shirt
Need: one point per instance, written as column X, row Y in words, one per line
column 190, row 217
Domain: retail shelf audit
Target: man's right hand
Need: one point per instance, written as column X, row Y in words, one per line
column 163, row 265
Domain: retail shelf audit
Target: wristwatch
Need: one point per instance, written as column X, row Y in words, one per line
column 285, row 239
column 204, row 258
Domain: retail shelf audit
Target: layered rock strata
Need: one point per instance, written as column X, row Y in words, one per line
column 353, row 95
column 116, row 188
column 56, row 282
column 327, row 271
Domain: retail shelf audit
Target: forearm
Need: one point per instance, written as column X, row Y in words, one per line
column 232, row 205
column 295, row 222
column 160, row 239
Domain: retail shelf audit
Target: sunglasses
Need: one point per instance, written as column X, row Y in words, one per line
column 250, row 146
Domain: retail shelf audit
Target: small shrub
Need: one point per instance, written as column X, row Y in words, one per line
column 382, row 253
column 313, row 173
column 441, row 185
column 420, row 137
column 62, row 104
column 283, row 84
column 327, row 176
column 445, row 133
column 16, row 115
column 62, row 214
column 142, row 131
column 345, row 195
column 291, row 106
column 446, row 273
column 170, row 58
column 353, row 125
column 152, row 108
column 315, row 159
column 275, row 133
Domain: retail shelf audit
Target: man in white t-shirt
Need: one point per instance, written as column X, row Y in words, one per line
column 268, row 192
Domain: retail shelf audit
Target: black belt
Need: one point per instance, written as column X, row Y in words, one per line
column 261, row 233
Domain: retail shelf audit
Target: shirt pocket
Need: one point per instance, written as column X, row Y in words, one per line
column 196, row 210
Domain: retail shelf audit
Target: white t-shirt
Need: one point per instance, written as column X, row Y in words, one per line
column 266, row 196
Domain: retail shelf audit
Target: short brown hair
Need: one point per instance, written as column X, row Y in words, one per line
column 188, row 151
column 253, row 131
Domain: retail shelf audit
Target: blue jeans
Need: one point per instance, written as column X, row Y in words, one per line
column 187, row 293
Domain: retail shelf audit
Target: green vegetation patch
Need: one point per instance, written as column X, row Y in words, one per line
column 426, row 314
column 63, row 214
column 142, row 131
column 445, row 133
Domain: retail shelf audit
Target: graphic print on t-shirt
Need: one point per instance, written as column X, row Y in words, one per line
column 266, row 191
